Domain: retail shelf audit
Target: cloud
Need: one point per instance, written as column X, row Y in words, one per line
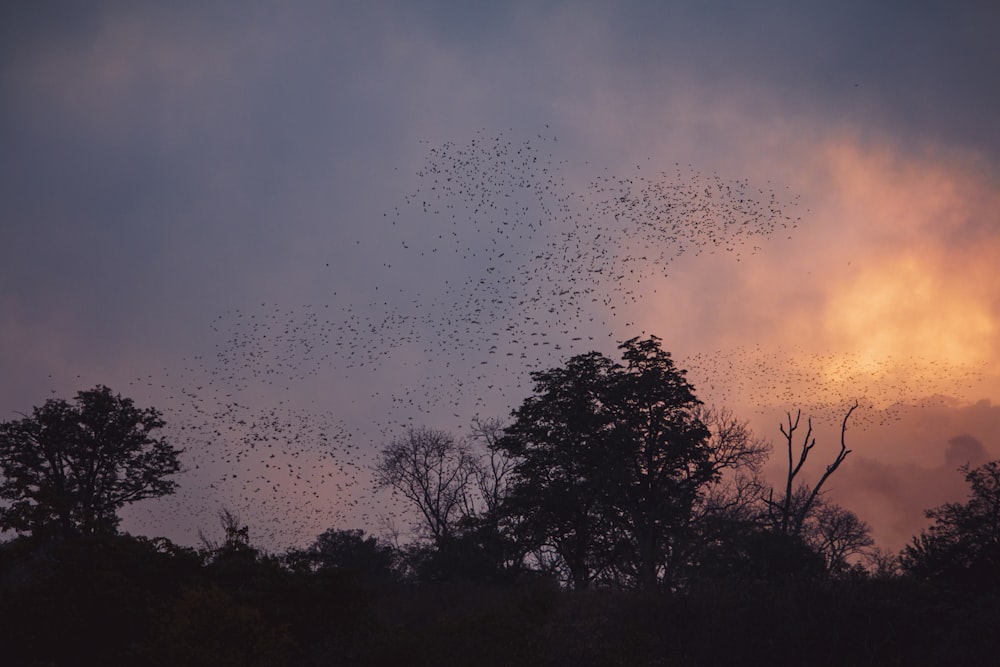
column 904, row 468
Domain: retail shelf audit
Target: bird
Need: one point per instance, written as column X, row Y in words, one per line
column 500, row 259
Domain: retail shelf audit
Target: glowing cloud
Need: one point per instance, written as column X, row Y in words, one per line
column 910, row 307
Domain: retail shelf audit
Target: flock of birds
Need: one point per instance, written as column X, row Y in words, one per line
column 496, row 264
column 825, row 385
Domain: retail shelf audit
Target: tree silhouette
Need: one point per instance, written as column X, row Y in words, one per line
column 347, row 550
column 788, row 513
column 458, row 487
column 837, row 534
column 963, row 543
column 797, row 533
column 433, row 471
column 561, row 440
column 613, row 461
column 68, row 468
column 667, row 458
column 493, row 469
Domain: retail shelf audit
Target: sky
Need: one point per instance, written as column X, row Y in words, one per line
column 298, row 228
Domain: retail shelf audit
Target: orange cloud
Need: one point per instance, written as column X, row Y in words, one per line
column 885, row 293
column 921, row 296
column 911, row 306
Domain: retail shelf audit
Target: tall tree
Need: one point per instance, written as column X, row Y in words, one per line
column 560, row 440
column 666, row 457
column 69, row 467
column 612, row 461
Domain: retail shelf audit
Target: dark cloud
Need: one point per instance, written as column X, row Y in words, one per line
column 917, row 72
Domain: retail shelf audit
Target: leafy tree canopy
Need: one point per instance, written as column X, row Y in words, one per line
column 69, row 467
column 349, row 550
column 963, row 543
column 612, row 458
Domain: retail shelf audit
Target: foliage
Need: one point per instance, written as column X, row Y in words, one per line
column 613, row 461
column 205, row 626
column 119, row 600
column 560, row 438
column 235, row 563
column 68, row 468
column 603, row 461
column 751, row 552
column 963, row 544
column 89, row 600
column 347, row 550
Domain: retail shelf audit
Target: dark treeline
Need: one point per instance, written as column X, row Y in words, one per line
column 614, row 475
column 614, row 520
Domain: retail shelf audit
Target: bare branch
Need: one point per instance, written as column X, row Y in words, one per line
column 793, row 512
column 433, row 471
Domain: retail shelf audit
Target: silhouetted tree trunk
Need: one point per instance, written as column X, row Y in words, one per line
column 789, row 512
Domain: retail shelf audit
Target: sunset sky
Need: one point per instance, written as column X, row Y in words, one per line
column 296, row 228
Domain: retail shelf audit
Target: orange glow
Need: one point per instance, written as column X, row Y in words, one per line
column 919, row 300
column 886, row 294
column 906, row 308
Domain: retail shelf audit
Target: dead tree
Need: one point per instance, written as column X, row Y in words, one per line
column 789, row 513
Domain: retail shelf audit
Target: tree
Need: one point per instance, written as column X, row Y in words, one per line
column 493, row 469
column 613, row 463
column 560, row 440
column 488, row 529
column 789, row 512
column 668, row 460
column 457, row 486
column 726, row 521
column 347, row 550
column 68, row 468
column 837, row 534
column 235, row 544
column 963, row 544
column 800, row 518
column 433, row 471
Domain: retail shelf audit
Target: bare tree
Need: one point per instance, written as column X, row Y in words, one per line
column 494, row 469
column 738, row 455
column 732, row 444
column 881, row 563
column 435, row 472
column 837, row 534
column 789, row 512
column 235, row 545
column 730, row 504
column 233, row 530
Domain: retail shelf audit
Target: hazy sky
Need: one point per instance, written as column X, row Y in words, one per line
column 297, row 227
